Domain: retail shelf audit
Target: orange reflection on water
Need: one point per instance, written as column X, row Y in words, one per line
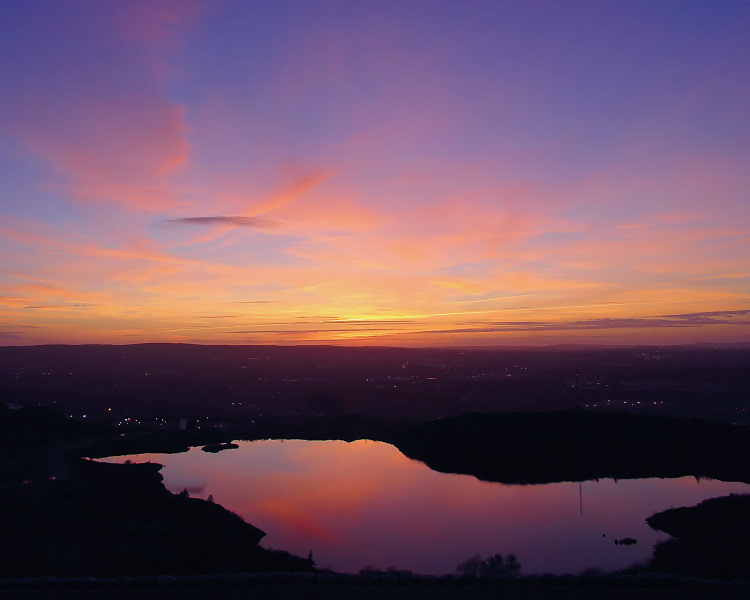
column 365, row 504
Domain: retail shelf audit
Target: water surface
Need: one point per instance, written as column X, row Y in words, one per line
column 365, row 504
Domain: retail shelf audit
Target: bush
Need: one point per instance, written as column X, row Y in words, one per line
column 494, row 566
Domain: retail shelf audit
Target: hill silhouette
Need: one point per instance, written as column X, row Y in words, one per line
column 578, row 445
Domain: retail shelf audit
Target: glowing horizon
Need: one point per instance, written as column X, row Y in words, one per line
column 399, row 173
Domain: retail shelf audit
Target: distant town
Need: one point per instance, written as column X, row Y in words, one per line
column 176, row 386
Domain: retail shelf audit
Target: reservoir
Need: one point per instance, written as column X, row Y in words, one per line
column 364, row 504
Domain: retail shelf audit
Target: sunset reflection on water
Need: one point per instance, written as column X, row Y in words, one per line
column 364, row 504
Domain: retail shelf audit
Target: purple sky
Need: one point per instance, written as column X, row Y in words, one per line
column 402, row 173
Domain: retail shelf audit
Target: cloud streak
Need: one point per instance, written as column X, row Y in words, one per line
column 222, row 220
column 726, row 317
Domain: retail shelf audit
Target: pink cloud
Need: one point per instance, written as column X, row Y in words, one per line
column 157, row 23
column 96, row 108
column 113, row 151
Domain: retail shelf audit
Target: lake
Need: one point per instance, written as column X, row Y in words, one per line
column 364, row 504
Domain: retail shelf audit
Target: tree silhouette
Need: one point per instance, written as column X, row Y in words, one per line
column 470, row 567
column 494, row 566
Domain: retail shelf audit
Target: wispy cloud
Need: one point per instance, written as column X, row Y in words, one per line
column 77, row 306
column 110, row 131
column 724, row 317
column 309, row 331
column 232, row 221
column 11, row 335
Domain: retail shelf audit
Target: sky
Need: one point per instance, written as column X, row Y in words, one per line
column 406, row 173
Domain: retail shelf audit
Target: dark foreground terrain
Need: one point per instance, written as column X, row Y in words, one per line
column 708, row 540
column 74, row 528
column 113, row 520
column 65, row 516
column 276, row 587
column 62, row 515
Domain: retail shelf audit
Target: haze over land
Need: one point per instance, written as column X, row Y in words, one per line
column 159, row 384
column 424, row 173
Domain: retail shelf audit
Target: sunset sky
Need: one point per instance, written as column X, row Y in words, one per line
column 412, row 173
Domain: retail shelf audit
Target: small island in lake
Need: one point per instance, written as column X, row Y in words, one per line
column 219, row 447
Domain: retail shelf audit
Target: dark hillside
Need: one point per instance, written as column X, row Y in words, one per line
column 579, row 445
column 65, row 516
column 711, row 539
column 110, row 520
